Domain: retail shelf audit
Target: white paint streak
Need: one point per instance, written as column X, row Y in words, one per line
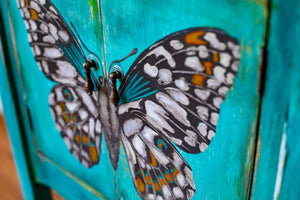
column 282, row 155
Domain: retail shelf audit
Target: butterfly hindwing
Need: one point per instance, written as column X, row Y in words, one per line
column 77, row 119
column 176, row 87
column 158, row 170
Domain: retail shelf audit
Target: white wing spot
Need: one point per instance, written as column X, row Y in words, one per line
column 29, row 38
column 217, row 102
column 44, row 28
column 37, row 50
column 219, row 73
column 151, row 70
column 177, row 111
column 203, row 53
column 202, row 112
column 203, row 146
column 32, row 25
column 229, row 78
column 178, row 96
column 223, row 91
column 63, row 35
column 235, row 49
column 202, row 128
column 125, row 107
column 235, row 65
column 35, row 6
column 191, row 138
column 49, row 39
column 202, row 94
column 53, row 31
column 45, row 66
column 66, row 69
column 211, row 134
column 176, row 44
column 193, row 63
column 182, row 84
column 161, row 51
column 214, row 118
column 139, row 146
column 165, row 76
column 213, row 83
column 178, row 193
column 52, row 52
column 214, row 42
column 225, row 59
column 132, row 126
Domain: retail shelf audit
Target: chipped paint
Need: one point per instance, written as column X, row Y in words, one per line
column 281, row 161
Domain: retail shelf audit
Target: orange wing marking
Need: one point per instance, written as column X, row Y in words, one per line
column 198, row 79
column 194, row 38
column 33, row 14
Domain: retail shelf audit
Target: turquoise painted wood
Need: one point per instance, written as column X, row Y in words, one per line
column 112, row 29
column 277, row 162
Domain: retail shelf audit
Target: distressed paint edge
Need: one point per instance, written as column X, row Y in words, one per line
column 48, row 166
column 10, row 114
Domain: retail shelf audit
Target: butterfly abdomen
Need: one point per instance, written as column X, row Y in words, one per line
column 110, row 121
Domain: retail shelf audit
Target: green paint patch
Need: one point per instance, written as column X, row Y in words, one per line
column 94, row 11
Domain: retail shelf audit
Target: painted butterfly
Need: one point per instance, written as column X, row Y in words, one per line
column 171, row 95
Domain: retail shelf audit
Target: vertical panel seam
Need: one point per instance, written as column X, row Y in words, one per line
column 260, row 90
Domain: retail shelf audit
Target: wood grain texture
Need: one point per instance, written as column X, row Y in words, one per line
column 224, row 169
column 277, row 173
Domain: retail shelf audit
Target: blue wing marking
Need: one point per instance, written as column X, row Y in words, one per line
column 136, row 89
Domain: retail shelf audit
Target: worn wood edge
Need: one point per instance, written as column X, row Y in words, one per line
column 272, row 177
column 17, row 119
column 10, row 107
column 49, row 168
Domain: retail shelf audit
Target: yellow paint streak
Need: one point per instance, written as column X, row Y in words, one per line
column 198, row 79
column 26, row 3
column 194, row 38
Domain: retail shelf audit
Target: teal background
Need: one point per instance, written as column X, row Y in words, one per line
column 242, row 161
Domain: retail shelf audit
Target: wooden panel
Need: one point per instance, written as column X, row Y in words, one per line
column 277, row 163
column 224, row 169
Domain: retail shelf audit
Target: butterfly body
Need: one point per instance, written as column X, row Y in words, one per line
column 109, row 120
column 169, row 100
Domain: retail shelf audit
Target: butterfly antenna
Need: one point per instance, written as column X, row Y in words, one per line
column 86, row 46
column 134, row 51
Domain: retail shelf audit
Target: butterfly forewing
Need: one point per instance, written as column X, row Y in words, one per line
column 175, row 88
column 53, row 44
